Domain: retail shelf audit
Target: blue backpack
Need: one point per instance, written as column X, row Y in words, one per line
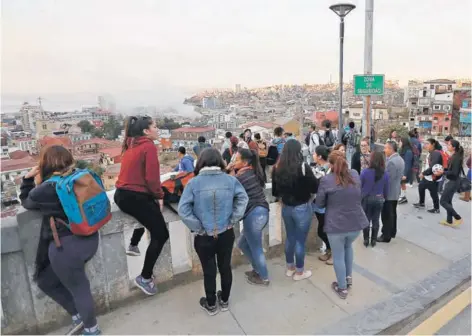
column 84, row 200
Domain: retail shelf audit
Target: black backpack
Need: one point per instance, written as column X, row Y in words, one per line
column 272, row 155
column 328, row 139
column 307, row 139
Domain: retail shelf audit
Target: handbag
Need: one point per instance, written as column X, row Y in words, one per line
column 464, row 184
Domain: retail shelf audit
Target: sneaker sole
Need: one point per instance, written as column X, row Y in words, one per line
column 133, row 254
column 76, row 329
column 210, row 312
column 257, row 284
column 143, row 289
column 223, row 309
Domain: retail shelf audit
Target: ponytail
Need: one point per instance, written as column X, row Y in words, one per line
column 129, row 122
column 457, row 148
column 252, row 158
column 340, row 169
column 134, row 127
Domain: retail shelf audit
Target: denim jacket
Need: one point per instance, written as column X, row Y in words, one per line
column 212, row 202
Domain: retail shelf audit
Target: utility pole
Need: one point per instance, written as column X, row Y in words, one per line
column 368, row 42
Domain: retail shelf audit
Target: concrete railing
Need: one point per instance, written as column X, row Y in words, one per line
column 25, row 309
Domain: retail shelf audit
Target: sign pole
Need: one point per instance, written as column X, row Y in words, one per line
column 368, row 42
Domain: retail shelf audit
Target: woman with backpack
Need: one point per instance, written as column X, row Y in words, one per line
column 293, row 181
column 453, row 174
column 139, row 193
column 60, row 266
column 321, row 169
column 211, row 204
column 263, row 151
column 250, row 175
column 374, row 191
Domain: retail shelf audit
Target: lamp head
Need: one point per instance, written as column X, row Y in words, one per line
column 342, row 9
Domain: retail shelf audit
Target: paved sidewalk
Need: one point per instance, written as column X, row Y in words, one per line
column 391, row 282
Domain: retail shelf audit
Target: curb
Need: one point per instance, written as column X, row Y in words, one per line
column 404, row 305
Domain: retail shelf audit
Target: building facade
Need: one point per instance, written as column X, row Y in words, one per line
column 188, row 136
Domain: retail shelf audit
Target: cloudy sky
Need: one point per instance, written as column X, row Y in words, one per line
column 61, row 47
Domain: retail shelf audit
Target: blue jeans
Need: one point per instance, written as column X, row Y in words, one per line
column 343, row 255
column 250, row 241
column 297, row 220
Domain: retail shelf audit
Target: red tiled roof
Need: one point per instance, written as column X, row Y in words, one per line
column 112, row 152
column 19, row 164
column 50, row 141
column 18, row 154
column 194, row 129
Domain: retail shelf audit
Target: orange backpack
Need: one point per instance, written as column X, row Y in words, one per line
column 174, row 187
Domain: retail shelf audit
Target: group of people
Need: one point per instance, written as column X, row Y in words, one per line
column 228, row 187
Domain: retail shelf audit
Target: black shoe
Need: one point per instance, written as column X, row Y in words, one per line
column 418, row 205
column 211, row 310
column 433, row 211
column 366, row 242
column 382, row 239
column 223, row 305
column 402, row 200
column 373, row 242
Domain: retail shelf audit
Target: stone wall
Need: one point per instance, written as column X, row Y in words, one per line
column 25, row 309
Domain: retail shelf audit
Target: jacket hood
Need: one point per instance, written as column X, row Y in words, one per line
column 189, row 158
column 134, row 142
column 276, row 141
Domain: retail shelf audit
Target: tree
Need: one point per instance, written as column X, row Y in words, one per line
column 86, row 126
column 384, row 134
column 168, row 123
column 82, row 164
column 112, row 128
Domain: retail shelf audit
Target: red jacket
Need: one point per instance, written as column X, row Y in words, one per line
column 140, row 168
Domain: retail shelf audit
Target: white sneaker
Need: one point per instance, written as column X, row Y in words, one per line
column 305, row 275
column 290, row 273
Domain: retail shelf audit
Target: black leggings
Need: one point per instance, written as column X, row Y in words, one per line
column 446, row 199
column 212, row 252
column 144, row 208
column 321, row 233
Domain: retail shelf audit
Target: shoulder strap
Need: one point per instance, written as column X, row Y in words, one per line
column 303, row 168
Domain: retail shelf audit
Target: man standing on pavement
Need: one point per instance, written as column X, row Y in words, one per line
column 227, row 142
column 394, row 168
column 314, row 140
column 351, row 140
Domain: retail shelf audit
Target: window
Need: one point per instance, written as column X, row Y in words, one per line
column 45, row 126
column 436, row 107
column 447, row 107
column 424, row 93
column 446, row 129
column 449, row 87
column 431, row 87
column 435, row 118
column 446, row 119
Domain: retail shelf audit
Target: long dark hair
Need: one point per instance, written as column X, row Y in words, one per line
column 134, row 127
column 340, row 169
column 406, row 144
column 54, row 159
column 458, row 149
column 436, row 145
column 252, row 158
column 377, row 163
column 288, row 168
column 209, row 157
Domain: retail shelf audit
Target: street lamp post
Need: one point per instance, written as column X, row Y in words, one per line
column 341, row 9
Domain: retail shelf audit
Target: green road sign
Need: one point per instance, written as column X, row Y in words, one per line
column 368, row 85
